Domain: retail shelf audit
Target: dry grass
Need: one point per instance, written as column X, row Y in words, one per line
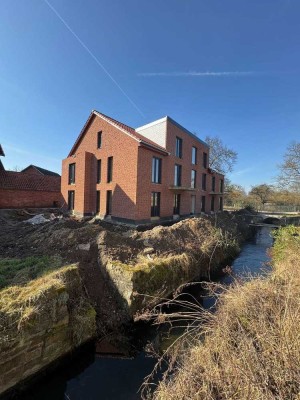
column 250, row 348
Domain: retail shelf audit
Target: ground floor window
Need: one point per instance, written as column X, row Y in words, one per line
column 176, row 209
column 71, row 200
column 155, row 204
column 221, row 203
column 212, row 203
column 108, row 202
column 203, row 204
column 193, row 205
column 97, row 201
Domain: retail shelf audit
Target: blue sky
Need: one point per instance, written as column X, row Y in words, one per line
column 221, row 68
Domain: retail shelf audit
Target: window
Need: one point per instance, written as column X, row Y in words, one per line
column 71, row 173
column 193, row 204
column 99, row 140
column 109, row 169
column 177, row 175
column 203, row 181
column 98, row 171
column 193, row 178
column 212, row 203
column 71, row 200
column 194, row 155
column 221, row 204
column 156, row 170
column 221, row 186
column 176, row 209
column 203, row 204
column 97, row 201
column 213, row 183
column 178, row 151
column 204, row 160
column 155, row 204
column 108, row 202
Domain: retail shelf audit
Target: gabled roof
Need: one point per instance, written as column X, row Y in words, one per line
column 22, row 181
column 1, row 151
column 41, row 170
column 122, row 127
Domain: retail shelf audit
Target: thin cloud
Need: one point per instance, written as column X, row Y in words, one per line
column 242, row 171
column 202, row 73
column 98, row 62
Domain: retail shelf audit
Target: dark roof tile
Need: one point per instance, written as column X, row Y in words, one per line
column 22, row 181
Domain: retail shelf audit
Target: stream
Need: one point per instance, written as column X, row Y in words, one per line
column 114, row 376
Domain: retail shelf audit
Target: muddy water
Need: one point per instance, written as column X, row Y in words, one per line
column 88, row 376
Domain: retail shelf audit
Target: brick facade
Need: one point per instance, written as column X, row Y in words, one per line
column 131, row 184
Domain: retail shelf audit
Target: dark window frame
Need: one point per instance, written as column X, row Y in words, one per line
column 221, row 203
column 178, row 147
column 156, row 170
column 155, row 204
column 204, row 179
column 72, row 173
column 203, row 201
column 221, row 186
column 109, row 169
column 194, row 155
column 193, row 180
column 176, row 206
column 99, row 167
column 213, row 183
column 71, row 200
column 98, row 200
column 177, row 175
column 109, row 202
column 99, row 140
column 212, row 203
column 204, row 160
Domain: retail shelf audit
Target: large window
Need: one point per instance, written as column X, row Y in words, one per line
column 71, row 173
column 177, row 175
column 156, row 170
column 98, row 171
column 108, row 202
column 99, row 140
column 193, row 178
column 109, row 169
column 155, row 204
column 212, row 203
column 178, row 151
column 204, row 160
column 194, row 155
column 213, row 183
column 221, row 185
column 203, row 181
column 97, row 201
column 202, row 203
column 71, row 200
column 176, row 209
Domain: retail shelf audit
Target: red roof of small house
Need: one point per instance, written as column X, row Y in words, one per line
column 22, row 181
column 1, row 151
column 123, row 127
column 42, row 171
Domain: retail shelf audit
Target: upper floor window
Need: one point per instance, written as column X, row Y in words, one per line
column 71, row 173
column 213, row 183
column 193, row 179
column 177, row 175
column 221, row 185
column 99, row 140
column 204, row 160
column 98, row 171
column 194, row 155
column 178, row 151
column 203, row 181
column 156, row 170
column 109, row 169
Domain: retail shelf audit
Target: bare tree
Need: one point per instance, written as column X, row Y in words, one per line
column 290, row 168
column 221, row 158
column 16, row 168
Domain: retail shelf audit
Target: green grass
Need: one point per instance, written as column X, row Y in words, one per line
column 15, row 271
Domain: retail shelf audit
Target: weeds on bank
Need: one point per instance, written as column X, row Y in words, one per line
column 250, row 347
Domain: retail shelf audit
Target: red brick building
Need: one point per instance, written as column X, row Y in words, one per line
column 157, row 171
column 34, row 187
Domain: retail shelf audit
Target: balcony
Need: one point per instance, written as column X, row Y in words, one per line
column 181, row 188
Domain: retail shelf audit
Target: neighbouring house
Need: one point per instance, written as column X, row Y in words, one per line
column 157, row 171
column 33, row 187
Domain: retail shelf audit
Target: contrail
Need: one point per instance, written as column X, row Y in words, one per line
column 202, row 74
column 93, row 56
